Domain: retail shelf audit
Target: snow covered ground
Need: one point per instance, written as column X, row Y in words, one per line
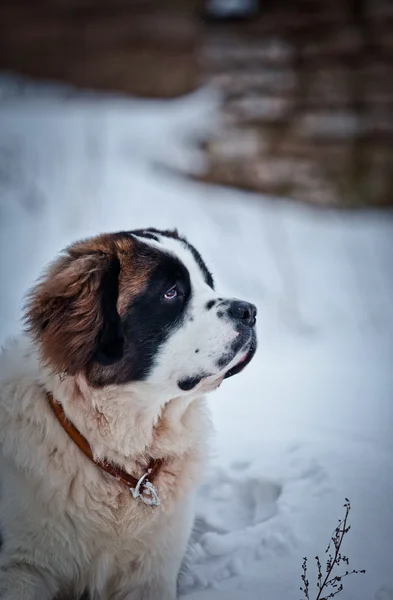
column 311, row 419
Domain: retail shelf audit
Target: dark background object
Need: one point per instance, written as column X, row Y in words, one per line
column 307, row 84
column 142, row 47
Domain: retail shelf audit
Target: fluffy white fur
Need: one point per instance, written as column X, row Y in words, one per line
column 66, row 525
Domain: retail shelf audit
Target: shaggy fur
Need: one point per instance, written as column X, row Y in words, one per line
column 66, row 525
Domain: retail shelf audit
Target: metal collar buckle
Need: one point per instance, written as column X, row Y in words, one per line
column 146, row 492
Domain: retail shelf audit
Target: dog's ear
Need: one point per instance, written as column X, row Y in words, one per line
column 72, row 312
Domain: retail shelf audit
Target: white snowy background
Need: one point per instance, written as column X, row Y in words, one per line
column 310, row 421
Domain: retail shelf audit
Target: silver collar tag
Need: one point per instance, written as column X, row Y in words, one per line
column 148, row 494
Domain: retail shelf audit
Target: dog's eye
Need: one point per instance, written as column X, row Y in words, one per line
column 171, row 293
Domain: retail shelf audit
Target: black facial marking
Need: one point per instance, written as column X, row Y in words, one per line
column 145, row 233
column 189, row 383
column 170, row 233
column 147, row 322
column 210, row 304
column 235, row 347
column 150, row 319
column 220, row 314
column 128, row 345
column 250, row 354
column 173, row 233
column 208, row 277
column 224, row 360
column 243, row 340
column 240, row 341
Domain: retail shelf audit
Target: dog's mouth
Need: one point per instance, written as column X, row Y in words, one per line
column 244, row 360
column 207, row 382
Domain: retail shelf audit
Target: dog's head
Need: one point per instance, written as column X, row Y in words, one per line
column 140, row 306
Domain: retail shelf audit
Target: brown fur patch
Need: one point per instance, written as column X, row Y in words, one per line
column 64, row 311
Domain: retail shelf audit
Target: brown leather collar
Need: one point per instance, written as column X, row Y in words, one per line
column 140, row 488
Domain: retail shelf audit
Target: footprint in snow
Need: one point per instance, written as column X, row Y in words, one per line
column 244, row 518
column 231, row 502
column 233, row 510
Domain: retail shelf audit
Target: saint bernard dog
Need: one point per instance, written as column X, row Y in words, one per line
column 103, row 422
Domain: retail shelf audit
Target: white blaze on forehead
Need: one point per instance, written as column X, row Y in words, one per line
column 179, row 249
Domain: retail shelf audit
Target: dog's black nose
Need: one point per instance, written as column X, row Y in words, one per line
column 244, row 311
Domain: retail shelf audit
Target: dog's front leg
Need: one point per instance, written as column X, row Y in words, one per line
column 22, row 581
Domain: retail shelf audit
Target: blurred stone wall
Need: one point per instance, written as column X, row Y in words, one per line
column 308, row 84
column 143, row 47
column 309, row 101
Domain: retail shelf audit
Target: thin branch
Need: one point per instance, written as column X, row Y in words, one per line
column 333, row 560
column 337, row 546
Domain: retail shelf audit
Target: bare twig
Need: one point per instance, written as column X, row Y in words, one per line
column 332, row 561
column 305, row 580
